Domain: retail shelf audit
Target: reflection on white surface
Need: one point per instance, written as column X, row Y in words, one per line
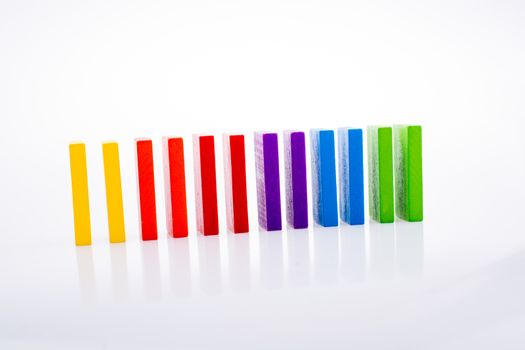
column 119, row 270
column 396, row 250
column 326, row 254
column 151, row 269
column 210, row 271
column 488, row 299
column 180, row 266
column 339, row 255
column 271, row 259
column 299, row 267
column 382, row 262
column 86, row 273
column 240, row 274
column 353, row 252
column 409, row 249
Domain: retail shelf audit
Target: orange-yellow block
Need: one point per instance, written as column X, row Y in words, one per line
column 79, row 186
column 117, row 232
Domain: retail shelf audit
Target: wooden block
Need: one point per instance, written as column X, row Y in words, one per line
column 295, row 179
column 235, row 183
column 324, row 186
column 79, row 187
column 113, row 192
column 268, row 182
column 351, row 178
column 380, row 174
column 408, row 165
column 146, row 187
column 205, row 184
column 175, row 186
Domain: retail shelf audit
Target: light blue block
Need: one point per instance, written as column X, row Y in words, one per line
column 324, row 185
column 351, row 178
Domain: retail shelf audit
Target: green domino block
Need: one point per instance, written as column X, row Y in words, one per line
column 408, row 163
column 380, row 174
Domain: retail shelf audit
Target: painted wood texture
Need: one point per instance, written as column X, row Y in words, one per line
column 146, row 188
column 268, row 181
column 205, row 184
column 380, row 174
column 175, row 187
column 79, row 187
column 235, row 183
column 324, row 186
column 113, row 181
column 408, row 163
column 351, row 177
column 295, row 179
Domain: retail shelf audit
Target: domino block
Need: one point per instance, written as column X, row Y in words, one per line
column 408, row 164
column 351, row 178
column 295, row 179
column 175, row 186
column 205, row 184
column 146, row 189
column 235, row 183
column 79, row 187
column 268, row 182
column 380, row 174
column 115, row 208
column 324, row 185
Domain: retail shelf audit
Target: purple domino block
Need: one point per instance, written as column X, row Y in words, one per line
column 268, row 183
column 295, row 172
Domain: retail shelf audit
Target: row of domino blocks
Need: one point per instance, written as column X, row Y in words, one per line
column 389, row 153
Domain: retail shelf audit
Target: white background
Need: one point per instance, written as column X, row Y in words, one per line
column 117, row 70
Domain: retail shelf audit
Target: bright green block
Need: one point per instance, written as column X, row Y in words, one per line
column 409, row 172
column 380, row 174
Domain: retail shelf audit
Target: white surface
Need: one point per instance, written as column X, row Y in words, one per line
column 119, row 70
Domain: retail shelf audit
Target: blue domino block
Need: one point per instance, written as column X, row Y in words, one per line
column 351, row 178
column 324, row 177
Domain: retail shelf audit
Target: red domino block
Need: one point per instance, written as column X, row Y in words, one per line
column 175, row 187
column 205, row 185
column 146, row 189
column 235, row 183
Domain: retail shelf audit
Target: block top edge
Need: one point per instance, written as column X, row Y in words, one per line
column 76, row 143
column 349, row 128
column 407, row 126
column 262, row 132
column 230, row 134
column 201, row 135
column 171, row 137
column 372, row 127
column 321, row 130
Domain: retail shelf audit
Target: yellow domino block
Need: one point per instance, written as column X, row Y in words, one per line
column 113, row 192
column 79, row 186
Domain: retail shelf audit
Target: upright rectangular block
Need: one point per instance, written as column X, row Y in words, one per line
column 408, row 172
column 324, row 177
column 380, row 174
column 79, row 187
column 146, row 187
column 268, row 182
column 175, row 186
column 113, row 192
column 235, row 183
column 295, row 179
column 351, row 182
column 205, row 185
